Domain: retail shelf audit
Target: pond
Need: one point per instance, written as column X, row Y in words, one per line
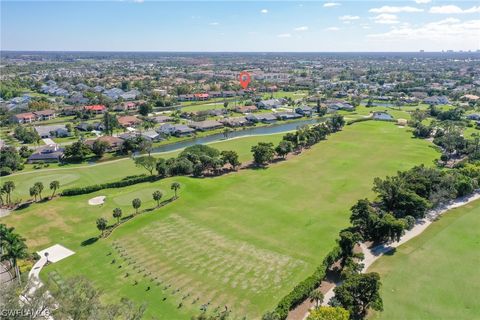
column 248, row 131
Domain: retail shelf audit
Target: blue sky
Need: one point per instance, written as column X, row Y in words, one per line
column 328, row 25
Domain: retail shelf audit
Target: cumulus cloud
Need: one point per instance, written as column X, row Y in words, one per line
column 332, row 29
column 302, row 28
column 422, row 1
column 331, row 4
column 451, row 9
column 385, row 18
column 264, row 11
column 284, row 35
column 438, row 35
column 390, row 9
column 348, row 18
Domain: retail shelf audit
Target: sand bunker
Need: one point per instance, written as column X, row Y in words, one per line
column 96, row 201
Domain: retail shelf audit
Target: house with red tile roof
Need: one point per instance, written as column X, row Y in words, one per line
column 97, row 109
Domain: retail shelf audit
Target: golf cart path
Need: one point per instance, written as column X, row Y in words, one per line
column 372, row 254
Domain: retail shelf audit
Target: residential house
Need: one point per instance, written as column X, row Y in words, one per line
column 270, row 104
column 205, row 125
column 114, row 143
column 50, row 153
column 304, row 110
column 45, row 114
column 261, row 117
column 474, row 116
column 436, row 100
column 235, row 122
column 287, row 115
column 160, row 119
column 151, row 135
column 97, row 109
column 179, row 130
column 201, row 96
column 27, row 117
column 129, row 121
column 57, row 130
column 339, row 105
column 246, row 109
column 130, row 95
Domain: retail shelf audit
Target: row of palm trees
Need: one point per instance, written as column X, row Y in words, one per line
column 35, row 191
column 37, row 188
column 102, row 223
column 12, row 248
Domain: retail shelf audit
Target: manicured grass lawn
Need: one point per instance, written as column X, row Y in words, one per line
column 288, row 94
column 203, row 107
column 242, row 240
column 81, row 175
column 435, row 275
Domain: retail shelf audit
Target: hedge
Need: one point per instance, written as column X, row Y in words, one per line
column 114, row 184
column 302, row 290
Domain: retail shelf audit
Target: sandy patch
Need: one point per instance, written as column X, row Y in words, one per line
column 96, row 201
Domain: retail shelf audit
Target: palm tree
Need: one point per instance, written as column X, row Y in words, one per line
column 39, row 187
column 157, row 196
column 54, row 185
column 175, row 186
column 136, row 203
column 102, row 224
column 8, row 187
column 317, row 297
column 117, row 213
column 34, row 192
column 2, row 192
column 15, row 248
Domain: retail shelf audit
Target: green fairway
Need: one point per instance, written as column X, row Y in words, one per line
column 241, row 240
column 82, row 175
column 435, row 275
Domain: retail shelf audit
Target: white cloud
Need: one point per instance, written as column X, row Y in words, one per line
column 422, row 1
column 284, row 35
column 451, row 9
column 331, row 4
column 385, row 18
column 138, row 1
column 214, row 23
column 264, row 11
column 332, row 29
column 389, row 9
column 348, row 18
column 445, row 34
column 302, row 28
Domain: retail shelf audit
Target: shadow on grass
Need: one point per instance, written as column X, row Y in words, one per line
column 89, row 241
column 390, row 252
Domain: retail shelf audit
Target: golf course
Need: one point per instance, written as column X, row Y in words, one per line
column 443, row 266
column 239, row 241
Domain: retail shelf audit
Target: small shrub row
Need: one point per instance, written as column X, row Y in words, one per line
column 114, row 184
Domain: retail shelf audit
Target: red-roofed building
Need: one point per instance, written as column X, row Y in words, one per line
column 27, row 117
column 201, row 96
column 98, row 108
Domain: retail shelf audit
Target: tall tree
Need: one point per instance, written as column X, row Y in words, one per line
column 157, row 196
column 39, row 186
column 54, row 185
column 8, row 187
column 117, row 214
column 14, row 248
column 149, row 163
column 358, row 293
column 317, row 297
column 175, row 186
column 136, row 204
column 102, row 224
column 263, row 153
